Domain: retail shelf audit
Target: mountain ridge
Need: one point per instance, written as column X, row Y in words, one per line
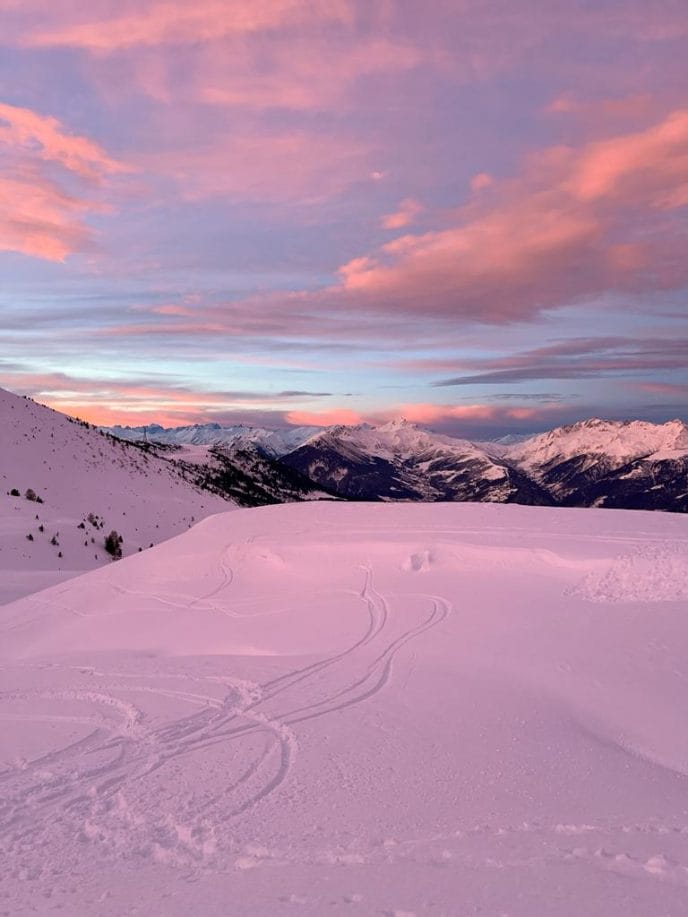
column 594, row 462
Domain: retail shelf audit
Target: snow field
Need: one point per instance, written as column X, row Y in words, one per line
column 355, row 709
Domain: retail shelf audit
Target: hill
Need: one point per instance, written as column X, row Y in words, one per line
column 88, row 484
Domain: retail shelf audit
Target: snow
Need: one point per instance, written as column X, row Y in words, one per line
column 397, row 439
column 77, row 471
column 618, row 442
column 274, row 443
column 596, row 444
column 195, row 455
column 355, row 709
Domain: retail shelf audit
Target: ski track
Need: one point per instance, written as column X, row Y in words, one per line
column 227, row 577
column 85, row 786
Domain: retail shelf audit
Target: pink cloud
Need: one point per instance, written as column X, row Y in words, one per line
column 312, row 167
column 439, row 416
column 481, row 181
column 441, row 413
column 596, row 112
column 663, row 388
column 406, row 213
column 153, row 23
column 172, row 309
column 136, row 402
column 38, row 217
column 497, row 266
column 305, row 73
column 575, row 223
column 46, row 138
column 648, row 167
column 323, row 418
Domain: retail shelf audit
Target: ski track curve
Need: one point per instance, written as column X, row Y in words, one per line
column 84, row 782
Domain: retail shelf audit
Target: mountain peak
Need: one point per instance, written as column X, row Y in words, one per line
column 399, row 423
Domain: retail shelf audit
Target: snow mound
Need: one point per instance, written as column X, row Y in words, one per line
column 650, row 573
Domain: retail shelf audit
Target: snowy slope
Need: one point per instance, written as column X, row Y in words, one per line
column 77, row 471
column 352, row 709
column 271, row 442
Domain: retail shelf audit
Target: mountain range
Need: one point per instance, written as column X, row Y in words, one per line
column 66, row 484
column 616, row 464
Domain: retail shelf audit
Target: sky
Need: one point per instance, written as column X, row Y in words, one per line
column 468, row 213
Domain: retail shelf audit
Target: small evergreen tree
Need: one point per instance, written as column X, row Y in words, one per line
column 113, row 544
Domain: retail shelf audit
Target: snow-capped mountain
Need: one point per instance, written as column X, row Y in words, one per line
column 617, row 442
column 400, row 461
column 64, row 486
column 271, row 442
column 633, row 465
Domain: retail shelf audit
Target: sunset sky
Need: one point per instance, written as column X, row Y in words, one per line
column 471, row 213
